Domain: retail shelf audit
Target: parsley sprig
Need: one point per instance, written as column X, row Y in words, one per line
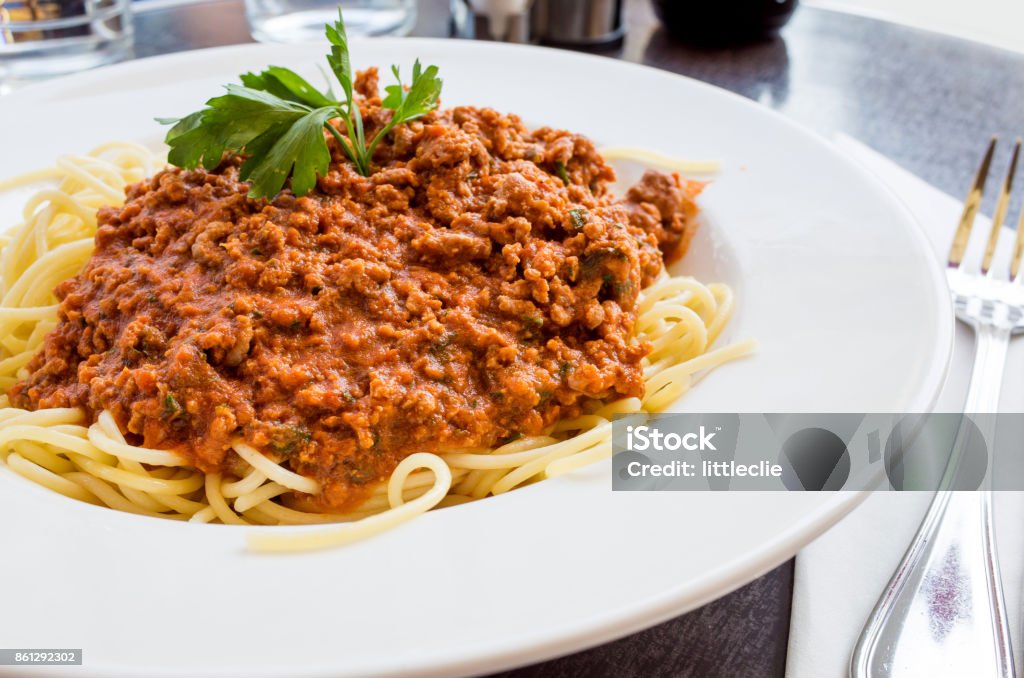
column 276, row 120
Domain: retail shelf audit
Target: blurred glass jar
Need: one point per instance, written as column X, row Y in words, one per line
column 297, row 21
column 40, row 39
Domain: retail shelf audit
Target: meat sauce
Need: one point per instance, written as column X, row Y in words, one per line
column 481, row 283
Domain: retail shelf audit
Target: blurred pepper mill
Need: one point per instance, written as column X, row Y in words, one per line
column 723, row 22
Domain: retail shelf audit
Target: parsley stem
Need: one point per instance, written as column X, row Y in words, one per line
column 357, row 115
column 344, row 146
column 376, row 139
column 353, row 140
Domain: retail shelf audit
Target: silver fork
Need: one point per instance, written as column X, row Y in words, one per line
column 942, row 613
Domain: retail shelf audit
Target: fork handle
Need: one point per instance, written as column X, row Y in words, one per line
column 990, row 345
column 942, row 613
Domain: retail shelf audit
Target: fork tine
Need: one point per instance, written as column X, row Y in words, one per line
column 1001, row 208
column 971, row 205
column 1018, row 249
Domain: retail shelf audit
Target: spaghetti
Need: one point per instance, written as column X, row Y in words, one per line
column 59, row 449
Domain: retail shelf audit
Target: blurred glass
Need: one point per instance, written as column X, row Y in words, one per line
column 43, row 38
column 303, row 20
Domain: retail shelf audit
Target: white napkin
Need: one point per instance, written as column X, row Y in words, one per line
column 840, row 576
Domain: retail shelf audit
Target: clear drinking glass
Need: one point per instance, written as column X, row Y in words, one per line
column 303, row 20
column 43, row 38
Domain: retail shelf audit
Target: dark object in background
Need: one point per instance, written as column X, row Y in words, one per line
column 718, row 23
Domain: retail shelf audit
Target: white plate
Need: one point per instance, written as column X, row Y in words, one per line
column 834, row 280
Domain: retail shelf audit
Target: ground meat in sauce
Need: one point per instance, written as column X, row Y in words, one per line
column 461, row 294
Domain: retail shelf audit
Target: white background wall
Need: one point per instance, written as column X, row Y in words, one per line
column 997, row 22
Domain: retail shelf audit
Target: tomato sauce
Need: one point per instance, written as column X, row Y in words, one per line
column 482, row 282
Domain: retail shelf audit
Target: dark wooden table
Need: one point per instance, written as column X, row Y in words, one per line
column 927, row 101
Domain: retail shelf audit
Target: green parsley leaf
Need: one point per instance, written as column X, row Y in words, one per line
column 420, row 99
column 339, row 58
column 301, row 152
column 561, row 172
column 341, row 64
column 190, row 142
column 171, row 406
column 228, row 123
column 578, row 217
column 276, row 119
column 286, row 84
column 288, row 439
